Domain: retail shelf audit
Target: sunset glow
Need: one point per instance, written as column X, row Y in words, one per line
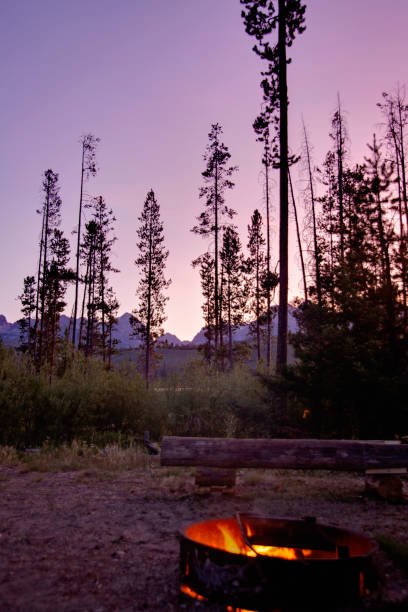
column 148, row 79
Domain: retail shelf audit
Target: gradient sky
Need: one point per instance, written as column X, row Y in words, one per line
column 148, row 77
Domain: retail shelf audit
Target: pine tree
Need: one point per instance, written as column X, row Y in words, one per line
column 58, row 278
column 96, row 249
column 261, row 127
column 395, row 111
column 260, row 20
column 27, row 299
column 88, row 168
column 51, row 218
column 87, row 328
column 149, row 315
column 210, row 222
column 233, row 296
column 104, row 219
column 112, row 307
column 351, row 352
column 256, row 270
column 206, row 264
column 339, row 137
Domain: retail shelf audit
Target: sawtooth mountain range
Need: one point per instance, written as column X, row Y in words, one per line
column 10, row 332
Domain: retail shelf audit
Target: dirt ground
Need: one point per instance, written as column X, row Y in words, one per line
column 106, row 541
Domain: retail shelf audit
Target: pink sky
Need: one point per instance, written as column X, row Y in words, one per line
column 148, row 77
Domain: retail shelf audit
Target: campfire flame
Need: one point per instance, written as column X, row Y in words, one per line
column 226, row 535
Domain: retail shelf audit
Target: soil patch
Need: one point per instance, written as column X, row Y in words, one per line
column 104, row 541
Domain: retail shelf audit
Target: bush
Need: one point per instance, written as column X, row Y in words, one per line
column 87, row 401
column 202, row 403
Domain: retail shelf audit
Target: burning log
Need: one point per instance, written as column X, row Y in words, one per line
column 283, row 454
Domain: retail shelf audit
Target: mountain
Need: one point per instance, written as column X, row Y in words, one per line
column 172, row 339
column 10, row 332
column 241, row 334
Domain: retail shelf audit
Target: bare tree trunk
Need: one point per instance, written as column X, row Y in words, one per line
column 81, row 325
column 44, row 274
column 78, row 246
column 340, row 154
column 257, row 307
column 221, row 320
column 268, row 267
column 37, row 299
column 402, row 155
column 282, row 343
column 229, row 326
column 217, row 330
column 298, row 237
column 315, row 243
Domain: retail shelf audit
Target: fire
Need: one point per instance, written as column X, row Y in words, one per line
column 187, row 591
column 226, row 535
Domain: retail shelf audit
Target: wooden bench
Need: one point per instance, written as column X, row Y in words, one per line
column 379, row 457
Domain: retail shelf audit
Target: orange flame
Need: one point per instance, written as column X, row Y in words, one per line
column 187, row 591
column 226, row 535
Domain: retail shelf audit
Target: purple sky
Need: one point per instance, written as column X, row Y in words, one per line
column 148, row 77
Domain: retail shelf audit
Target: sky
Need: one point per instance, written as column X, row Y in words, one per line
column 149, row 77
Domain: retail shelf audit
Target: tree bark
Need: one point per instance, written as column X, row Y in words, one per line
column 282, row 343
column 78, row 248
column 282, row 454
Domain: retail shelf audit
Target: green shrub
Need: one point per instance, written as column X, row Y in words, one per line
column 202, row 403
column 87, row 401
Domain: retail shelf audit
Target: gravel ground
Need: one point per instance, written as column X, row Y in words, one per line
column 106, row 541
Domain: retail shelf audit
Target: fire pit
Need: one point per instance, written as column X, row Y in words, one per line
column 259, row 563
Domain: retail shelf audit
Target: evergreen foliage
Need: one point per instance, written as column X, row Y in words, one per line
column 256, row 273
column 211, row 221
column 27, row 299
column 149, row 316
column 88, row 144
column 233, row 291
column 352, row 344
column 261, row 19
column 95, row 333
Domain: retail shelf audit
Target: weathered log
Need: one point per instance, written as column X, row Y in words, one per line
column 282, row 454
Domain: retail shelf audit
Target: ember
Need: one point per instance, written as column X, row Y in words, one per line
column 250, row 562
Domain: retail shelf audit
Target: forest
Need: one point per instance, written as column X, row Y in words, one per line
column 348, row 377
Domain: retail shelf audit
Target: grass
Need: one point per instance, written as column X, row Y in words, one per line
column 76, row 456
column 394, row 549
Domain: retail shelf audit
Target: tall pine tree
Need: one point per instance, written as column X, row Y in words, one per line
column 217, row 179
column 149, row 315
column 261, row 19
column 88, row 168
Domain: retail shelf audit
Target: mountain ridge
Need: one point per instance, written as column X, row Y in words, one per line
column 10, row 332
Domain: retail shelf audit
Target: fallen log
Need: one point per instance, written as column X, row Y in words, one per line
column 305, row 454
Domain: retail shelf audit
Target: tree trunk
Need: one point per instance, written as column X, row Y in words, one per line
column 298, row 238
column 78, row 246
column 340, row 154
column 268, row 267
column 216, row 292
column 315, row 244
column 44, row 274
column 282, row 343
